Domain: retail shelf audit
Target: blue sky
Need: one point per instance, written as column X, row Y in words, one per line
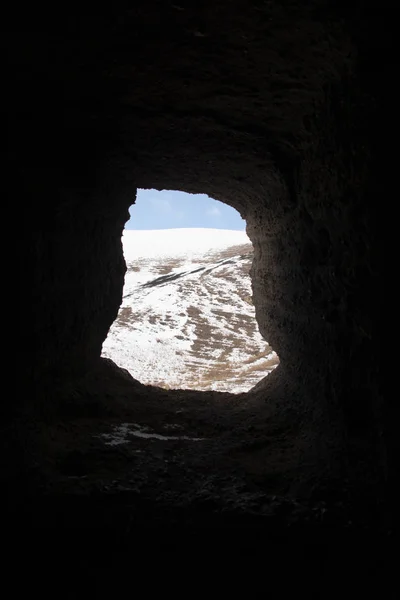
column 170, row 209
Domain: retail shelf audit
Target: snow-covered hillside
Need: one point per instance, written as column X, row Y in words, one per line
column 187, row 320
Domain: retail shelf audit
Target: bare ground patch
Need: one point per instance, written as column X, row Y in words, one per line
column 238, row 250
column 125, row 316
column 168, row 266
column 134, row 267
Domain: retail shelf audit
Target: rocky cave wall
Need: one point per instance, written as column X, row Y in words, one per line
column 261, row 105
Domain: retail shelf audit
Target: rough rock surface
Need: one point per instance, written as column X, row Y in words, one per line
column 277, row 108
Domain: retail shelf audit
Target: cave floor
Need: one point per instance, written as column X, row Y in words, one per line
column 146, row 460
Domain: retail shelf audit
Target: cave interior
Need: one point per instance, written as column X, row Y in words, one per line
column 276, row 109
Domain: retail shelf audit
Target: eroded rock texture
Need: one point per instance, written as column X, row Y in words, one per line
column 272, row 107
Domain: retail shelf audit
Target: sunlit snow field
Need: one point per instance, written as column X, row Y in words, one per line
column 187, row 319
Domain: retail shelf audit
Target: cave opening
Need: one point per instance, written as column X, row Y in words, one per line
column 278, row 109
column 187, row 319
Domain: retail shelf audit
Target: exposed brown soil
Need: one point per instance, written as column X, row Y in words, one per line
column 211, row 363
column 125, row 315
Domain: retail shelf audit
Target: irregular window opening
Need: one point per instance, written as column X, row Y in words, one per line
column 187, row 319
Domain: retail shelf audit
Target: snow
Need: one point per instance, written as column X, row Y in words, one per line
column 186, row 320
column 121, row 432
column 163, row 243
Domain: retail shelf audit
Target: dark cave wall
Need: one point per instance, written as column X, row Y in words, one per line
column 75, row 277
column 260, row 105
column 316, row 282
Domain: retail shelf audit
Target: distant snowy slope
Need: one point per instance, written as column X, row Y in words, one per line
column 178, row 242
column 187, row 319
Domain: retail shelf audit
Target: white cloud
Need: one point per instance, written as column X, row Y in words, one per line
column 214, row 211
